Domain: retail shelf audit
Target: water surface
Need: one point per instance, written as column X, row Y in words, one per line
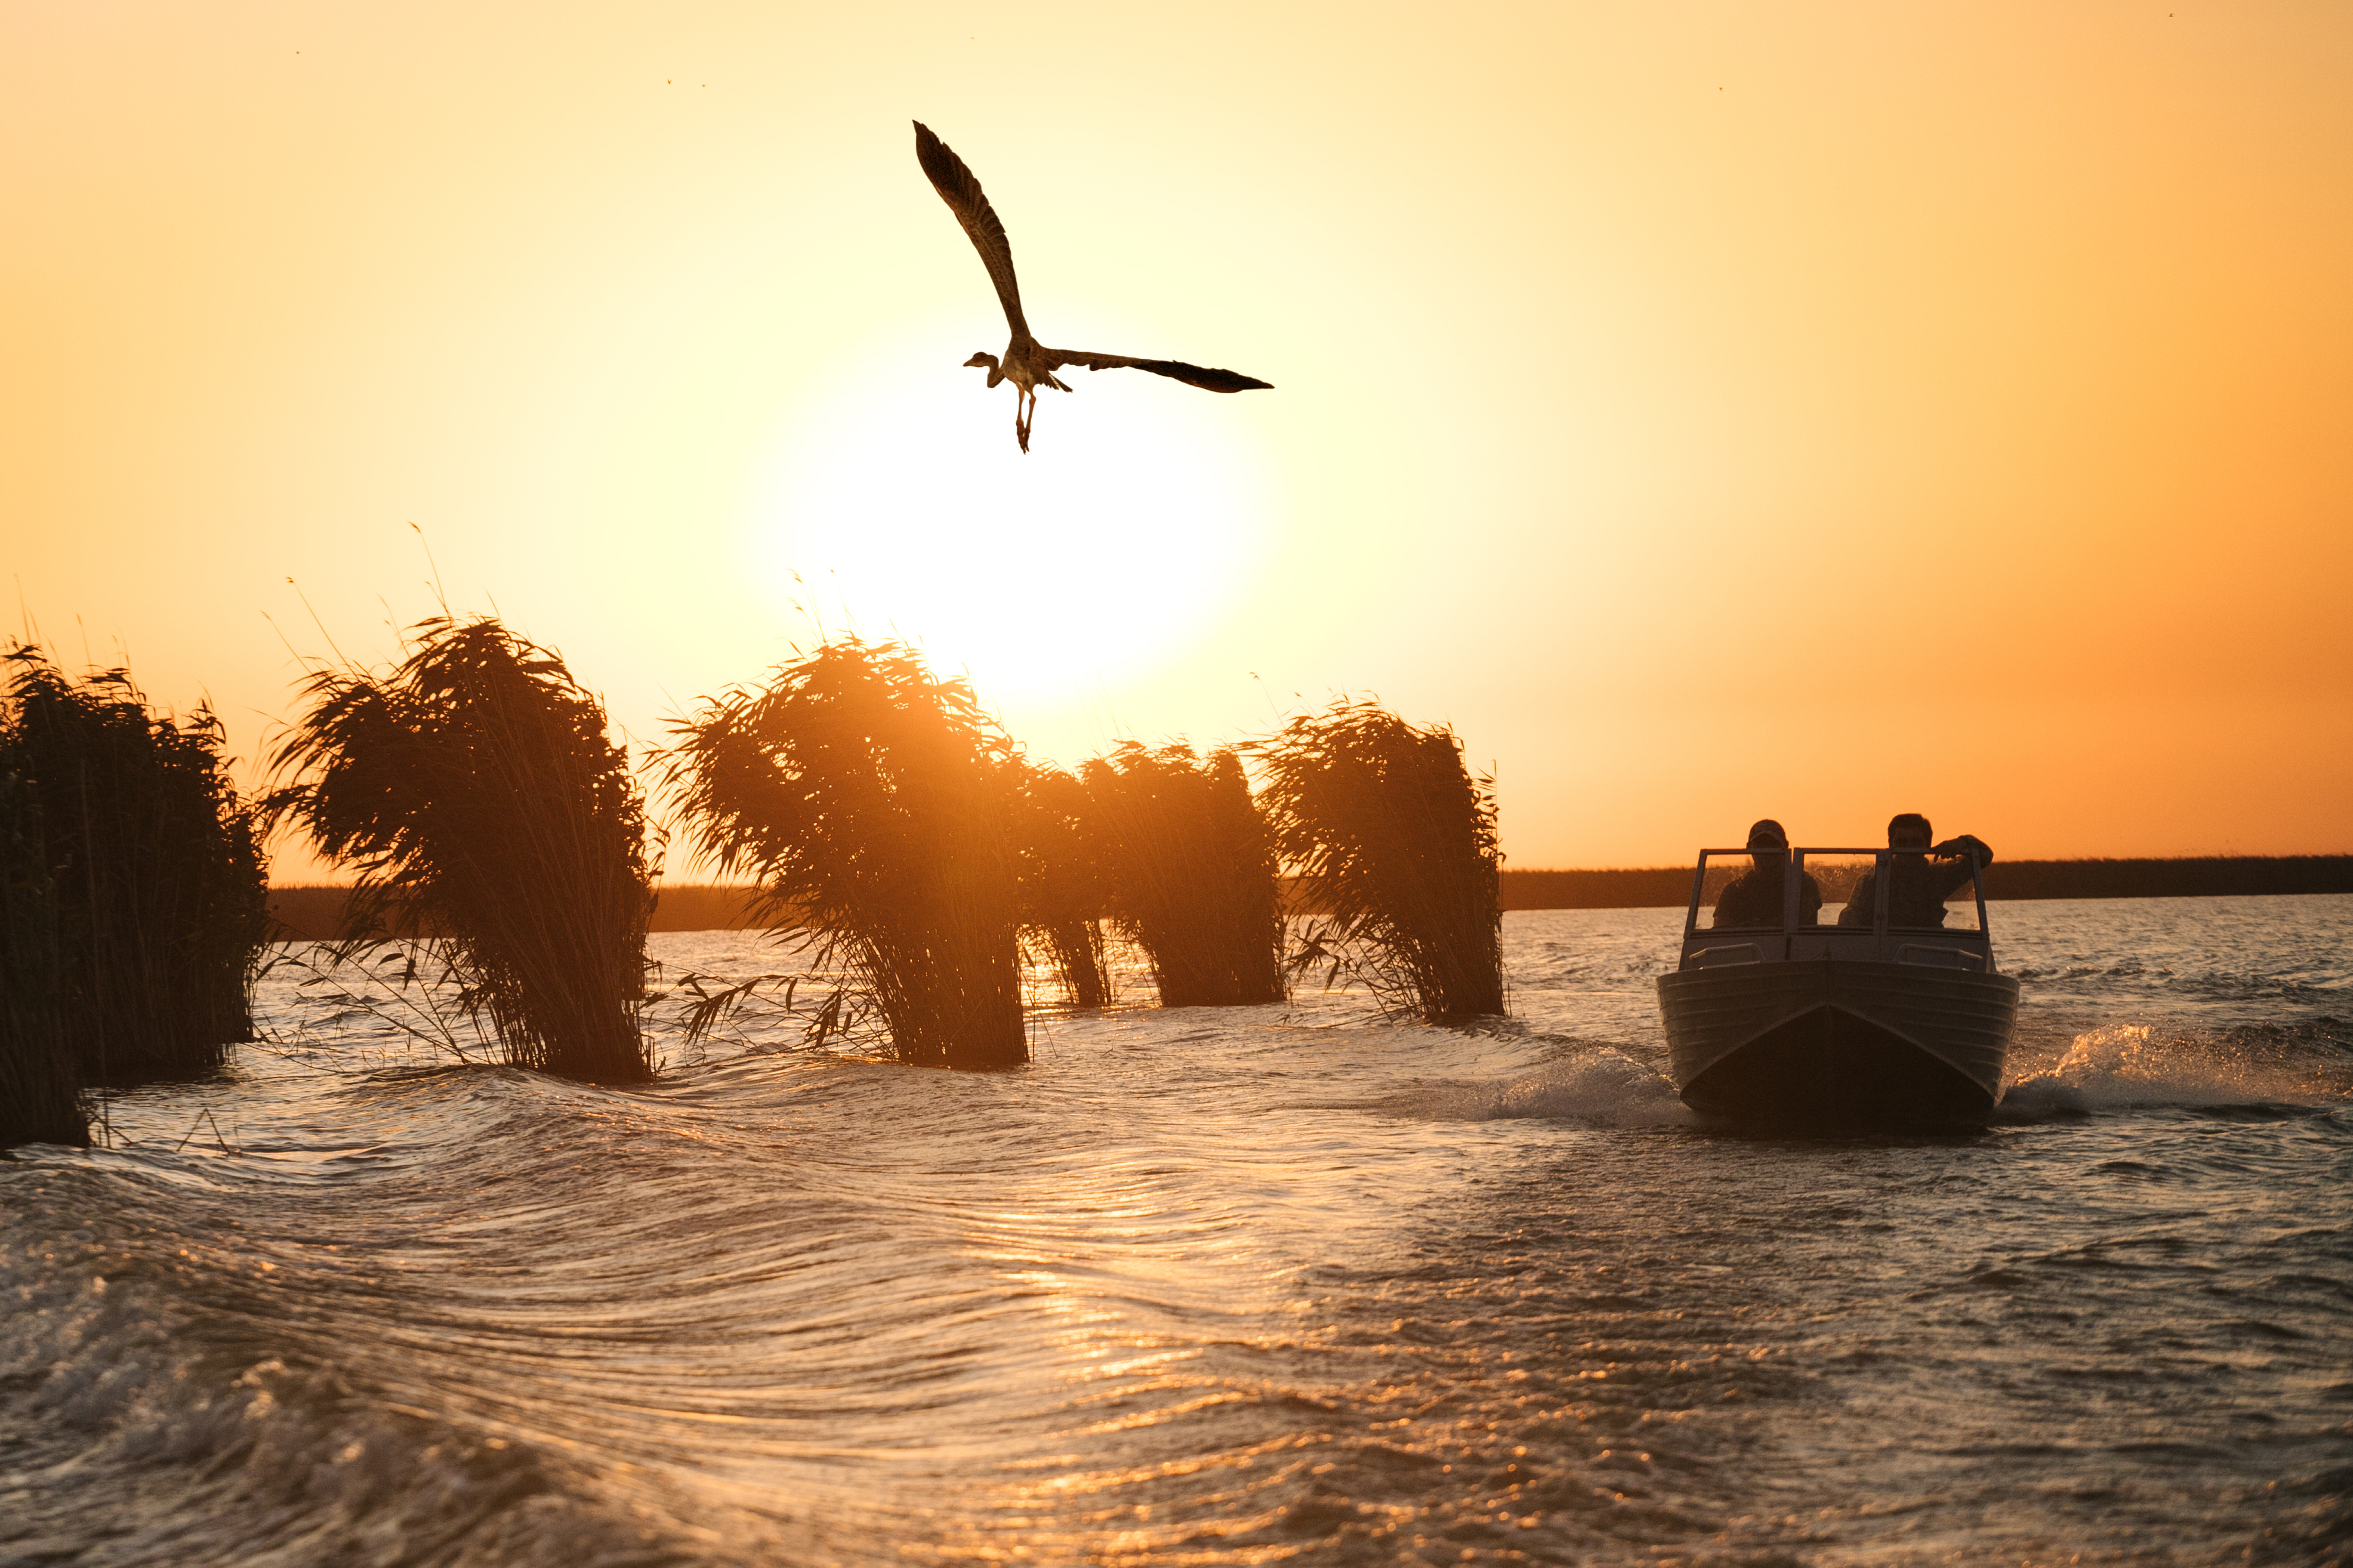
column 1220, row 1285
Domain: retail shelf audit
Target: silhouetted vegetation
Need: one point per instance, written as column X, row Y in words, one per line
column 156, row 875
column 1190, row 872
column 1065, row 890
column 474, row 791
column 1616, row 888
column 870, row 800
column 691, row 907
column 1394, row 842
column 2200, row 877
column 41, row 1099
column 315, row 912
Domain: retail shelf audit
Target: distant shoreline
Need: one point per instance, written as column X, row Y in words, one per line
column 2193, row 877
column 316, row 912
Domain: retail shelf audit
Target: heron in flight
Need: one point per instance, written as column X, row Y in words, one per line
column 1029, row 364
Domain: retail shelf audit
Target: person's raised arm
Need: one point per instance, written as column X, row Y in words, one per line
column 1954, row 875
column 1955, row 848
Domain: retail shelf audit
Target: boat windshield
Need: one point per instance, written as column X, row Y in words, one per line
column 1923, row 894
column 1745, row 893
column 1740, row 891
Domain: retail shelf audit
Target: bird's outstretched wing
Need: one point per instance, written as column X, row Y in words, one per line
column 962, row 192
column 1177, row 369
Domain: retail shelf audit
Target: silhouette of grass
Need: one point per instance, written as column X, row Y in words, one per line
column 1191, row 873
column 1064, row 889
column 474, row 791
column 40, row 1100
column 158, row 882
column 871, row 802
column 1394, row 843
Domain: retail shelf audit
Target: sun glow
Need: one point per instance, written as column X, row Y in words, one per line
column 903, row 508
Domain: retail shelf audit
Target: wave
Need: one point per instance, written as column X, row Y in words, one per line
column 2213, row 988
column 1597, row 1084
column 138, row 1394
column 2307, row 1065
column 1190, row 1288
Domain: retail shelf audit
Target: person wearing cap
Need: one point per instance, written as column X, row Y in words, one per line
column 1920, row 880
column 1754, row 898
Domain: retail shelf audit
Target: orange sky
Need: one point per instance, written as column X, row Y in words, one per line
column 1711, row 410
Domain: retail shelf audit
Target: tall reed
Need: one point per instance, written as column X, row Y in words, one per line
column 159, row 884
column 1394, row 842
column 40, row 1100
column 1064, row 888
column 871, row 800
column 1192, row 873
column 474, row 791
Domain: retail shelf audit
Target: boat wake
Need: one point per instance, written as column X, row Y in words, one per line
column 2123, row 1066
column 1210, row 1287
column 197, row 1444
column 1599, row 1085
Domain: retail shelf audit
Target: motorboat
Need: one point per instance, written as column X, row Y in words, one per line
column 1872, row 1002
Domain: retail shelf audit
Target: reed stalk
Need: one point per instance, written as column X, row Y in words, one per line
column 474, row 791
column 1394, row 842
column 158, row 881
column 40, row 1099
column 1192, row 873
column 870, row 801
column 1064, row 889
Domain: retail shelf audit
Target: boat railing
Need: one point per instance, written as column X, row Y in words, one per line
column 1914, row 908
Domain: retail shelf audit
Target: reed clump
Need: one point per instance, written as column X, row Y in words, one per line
column 40, row 1099
column 157, row 881
column 1191, row 872
column 871, row 802
column 1394, row 843
column 1064, row 883
column 473, row 789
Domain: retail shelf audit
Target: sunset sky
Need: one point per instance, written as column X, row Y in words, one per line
column 1712, row 411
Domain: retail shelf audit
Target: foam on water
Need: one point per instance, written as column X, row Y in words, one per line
column 150, row 1429
column 2141, row 1066
column 1599, row 1085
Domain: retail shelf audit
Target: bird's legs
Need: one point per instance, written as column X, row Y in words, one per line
column 1024, row 408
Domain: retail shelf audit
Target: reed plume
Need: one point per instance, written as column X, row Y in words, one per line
column 40, row 1099
column 158, row 883
column 474, row 791
column 1191, row 872
column 1064, row 889
column 1394, row 844
column 870, row 800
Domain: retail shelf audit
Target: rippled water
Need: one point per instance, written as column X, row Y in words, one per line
column 1242, row 1285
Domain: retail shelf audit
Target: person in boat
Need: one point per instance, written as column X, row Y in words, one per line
column 1754, row 898
column 1921, row 878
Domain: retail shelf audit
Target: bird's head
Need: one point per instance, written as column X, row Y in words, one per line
column 984, row 361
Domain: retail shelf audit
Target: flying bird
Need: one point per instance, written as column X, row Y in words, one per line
column 1028, row 364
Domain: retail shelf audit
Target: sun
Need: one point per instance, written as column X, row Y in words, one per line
column 904, row 508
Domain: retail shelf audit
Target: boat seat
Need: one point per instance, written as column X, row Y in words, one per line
column 1940, row 956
